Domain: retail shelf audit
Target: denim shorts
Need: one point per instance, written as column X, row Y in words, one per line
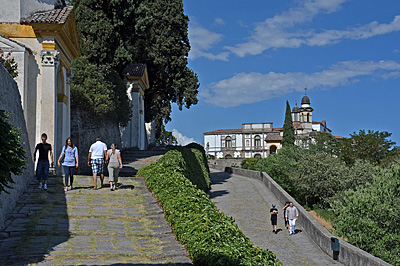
column 42, row 170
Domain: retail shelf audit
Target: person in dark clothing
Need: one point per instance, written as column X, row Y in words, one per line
column 274, row 218
column 284, row 214
column 42, row 168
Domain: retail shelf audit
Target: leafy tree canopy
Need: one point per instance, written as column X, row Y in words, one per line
column 369, row 217
column 99, row 90
column 372, row 146
column 153, row 32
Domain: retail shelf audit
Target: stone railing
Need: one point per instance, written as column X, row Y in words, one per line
column 348, row 254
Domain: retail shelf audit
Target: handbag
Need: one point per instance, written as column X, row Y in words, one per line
column 62, row 158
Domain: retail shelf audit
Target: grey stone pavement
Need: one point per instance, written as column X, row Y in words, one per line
column 89, row 227
column 248, row 201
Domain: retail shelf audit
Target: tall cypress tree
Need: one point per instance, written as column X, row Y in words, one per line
column 288, row 129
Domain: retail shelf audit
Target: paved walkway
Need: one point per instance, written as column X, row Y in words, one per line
column 89, row 227
column 248, row 201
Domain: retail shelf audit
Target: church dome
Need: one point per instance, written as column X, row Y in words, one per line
column 305, row 100
column 296, row 109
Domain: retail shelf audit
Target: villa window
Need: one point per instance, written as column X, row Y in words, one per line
column 257, row 141
column 228, row 142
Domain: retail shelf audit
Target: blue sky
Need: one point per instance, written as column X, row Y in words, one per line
column 252, row 56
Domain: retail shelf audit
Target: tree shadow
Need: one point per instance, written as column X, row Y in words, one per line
column 218, row 178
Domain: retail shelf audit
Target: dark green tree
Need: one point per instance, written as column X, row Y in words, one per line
column 153, row 32
column 372, row 146
column 166, row 137
column 99, row 90
column 288, row 129
column 12, row 154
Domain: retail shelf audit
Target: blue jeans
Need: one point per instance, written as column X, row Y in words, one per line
column 69, row 173
column 42, row 170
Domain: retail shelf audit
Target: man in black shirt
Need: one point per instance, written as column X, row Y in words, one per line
column 42, row 168
column 274, row 218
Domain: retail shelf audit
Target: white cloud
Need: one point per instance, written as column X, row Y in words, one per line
column 282, row 31
column 201, row 41
column 182, row 140
column 219, row 21
column 246, row 88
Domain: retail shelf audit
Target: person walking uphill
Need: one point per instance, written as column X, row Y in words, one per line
column 70, row 152
column 274, row 218
column 114, row 165
column 284, row 214
column 42, row 168
column 97, row 154
column 291, row 215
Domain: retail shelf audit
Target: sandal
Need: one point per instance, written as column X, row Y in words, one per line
column 65, row 189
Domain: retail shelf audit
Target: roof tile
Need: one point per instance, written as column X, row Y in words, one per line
column 55, row 16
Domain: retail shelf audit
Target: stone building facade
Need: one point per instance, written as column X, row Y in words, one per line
column 258, row 140
column 41, row 35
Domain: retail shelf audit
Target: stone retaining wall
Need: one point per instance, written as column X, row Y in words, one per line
column 85, row 128
column 348, row 254
column 10, row 100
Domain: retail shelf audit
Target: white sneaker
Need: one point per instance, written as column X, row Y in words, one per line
column 45, row 186
column 40, row 186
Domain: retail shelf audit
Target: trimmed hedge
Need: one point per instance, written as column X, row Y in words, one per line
column 210, row 236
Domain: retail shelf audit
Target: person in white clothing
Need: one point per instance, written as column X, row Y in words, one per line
column 97, row 154
column 291, row 216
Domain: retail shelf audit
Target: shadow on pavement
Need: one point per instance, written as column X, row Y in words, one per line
column 218, row 178
column 37, row 224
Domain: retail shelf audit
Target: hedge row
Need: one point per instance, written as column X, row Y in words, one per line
column 210, row 236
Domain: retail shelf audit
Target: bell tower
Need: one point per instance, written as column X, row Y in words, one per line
column 306, row 114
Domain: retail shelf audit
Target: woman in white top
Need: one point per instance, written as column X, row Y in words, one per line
column 114, row 165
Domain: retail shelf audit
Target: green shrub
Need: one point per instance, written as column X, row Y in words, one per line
column 210, row 236
column 369, row 217
column 250, row 163
column 12, row 154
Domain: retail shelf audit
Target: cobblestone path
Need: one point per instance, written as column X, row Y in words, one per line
column 89, row 227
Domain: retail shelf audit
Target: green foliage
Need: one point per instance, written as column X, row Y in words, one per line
column 165, row 137
column 99, row 90
column 325, row 143
column 9, row 63
column 250, row 163
column 374, row 147
column 288, row 129
column 311, row 176
column 12, row 154
column 369, row 217
column 211, row 237
column 121, row 32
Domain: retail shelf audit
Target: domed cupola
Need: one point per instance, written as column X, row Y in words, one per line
column 296, row 109
column 296, row 114
column 305, row 100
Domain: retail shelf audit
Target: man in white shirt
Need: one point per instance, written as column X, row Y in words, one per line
column 97, row 154
column 291, row 215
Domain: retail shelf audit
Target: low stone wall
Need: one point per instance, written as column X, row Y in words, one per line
column 85, row 129
column 226, row 162
column 348, row 254
column 10, row 100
